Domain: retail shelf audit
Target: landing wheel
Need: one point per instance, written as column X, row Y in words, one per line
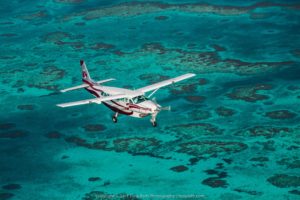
column 114, row 119
column 154, row 124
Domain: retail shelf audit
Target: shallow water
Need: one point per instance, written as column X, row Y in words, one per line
column 233, row 132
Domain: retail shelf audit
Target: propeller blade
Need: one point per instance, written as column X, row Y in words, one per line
column 168, row 108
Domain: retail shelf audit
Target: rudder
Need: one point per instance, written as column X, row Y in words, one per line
column 85, row 72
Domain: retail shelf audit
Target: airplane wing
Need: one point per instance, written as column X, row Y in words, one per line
column 165, row 83
column 95, row 100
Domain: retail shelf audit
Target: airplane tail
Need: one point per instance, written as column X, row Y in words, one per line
column 85, row 72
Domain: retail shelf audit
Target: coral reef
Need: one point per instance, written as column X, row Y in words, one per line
column 179, row 168
column 135, row 145
column 284, row 180
column 265, row 131
column 281, row 114
column 251, row 192
column 225, row 112
column 200, row 148
column 249, row 93
column 93, row 179
column 94, row 127
column 289, row 163
column 139, row 8
column 215, row 182
column 195, row 130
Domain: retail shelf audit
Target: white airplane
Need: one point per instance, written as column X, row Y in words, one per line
column 133, row 103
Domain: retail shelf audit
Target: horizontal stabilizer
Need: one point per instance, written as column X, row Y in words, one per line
column 95, row 100
column 75, row 88
column 106, row 80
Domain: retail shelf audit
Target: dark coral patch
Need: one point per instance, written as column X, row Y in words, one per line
column 161, row 18
column 46, row 78
column 281, row 114
column 186, row 89
column 55, row 37
column 199, row 148
column 98, row 46
column 77, row 140
column 218, row 47
column 6, row 195
column 293, row 87
column 211, row 171
column 118, row 53
column 154, row 48
column 284, row 180
column 34, row 16
column 215, row 182
column 135, row 145
column 251, row 192
column 5, row 126
column 12, row 186
column 93, row 179
column 102, row 145
column 64, row 157
column 249, row 93
column 260, row 159
column 292, row 164
column 26, row 107
column 94, row 127
column 195, row 99
column 195, row 160
column 153, row 78
column 203, row 81
column 225, row 112
column 14, row 134
column 266, row 131
column 179, row 168
column 296, row 192
column 53, row 135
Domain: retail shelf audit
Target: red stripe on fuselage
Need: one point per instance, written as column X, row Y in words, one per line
column 106, row 104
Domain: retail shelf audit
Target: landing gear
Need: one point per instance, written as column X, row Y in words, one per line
column 153, row 119
column 154, row 124
column 115, row 118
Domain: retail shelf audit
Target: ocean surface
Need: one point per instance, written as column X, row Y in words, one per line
column 233, row 131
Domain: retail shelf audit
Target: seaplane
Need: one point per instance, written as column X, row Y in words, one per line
column 133, row 103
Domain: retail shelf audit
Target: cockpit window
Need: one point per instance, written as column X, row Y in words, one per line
column 139, row 99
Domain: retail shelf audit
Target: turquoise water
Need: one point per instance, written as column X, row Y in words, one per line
column 233, row 132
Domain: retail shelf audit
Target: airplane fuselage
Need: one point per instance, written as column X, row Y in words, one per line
column 138, row 106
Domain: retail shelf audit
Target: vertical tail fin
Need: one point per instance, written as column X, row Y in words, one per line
column 85, row 72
